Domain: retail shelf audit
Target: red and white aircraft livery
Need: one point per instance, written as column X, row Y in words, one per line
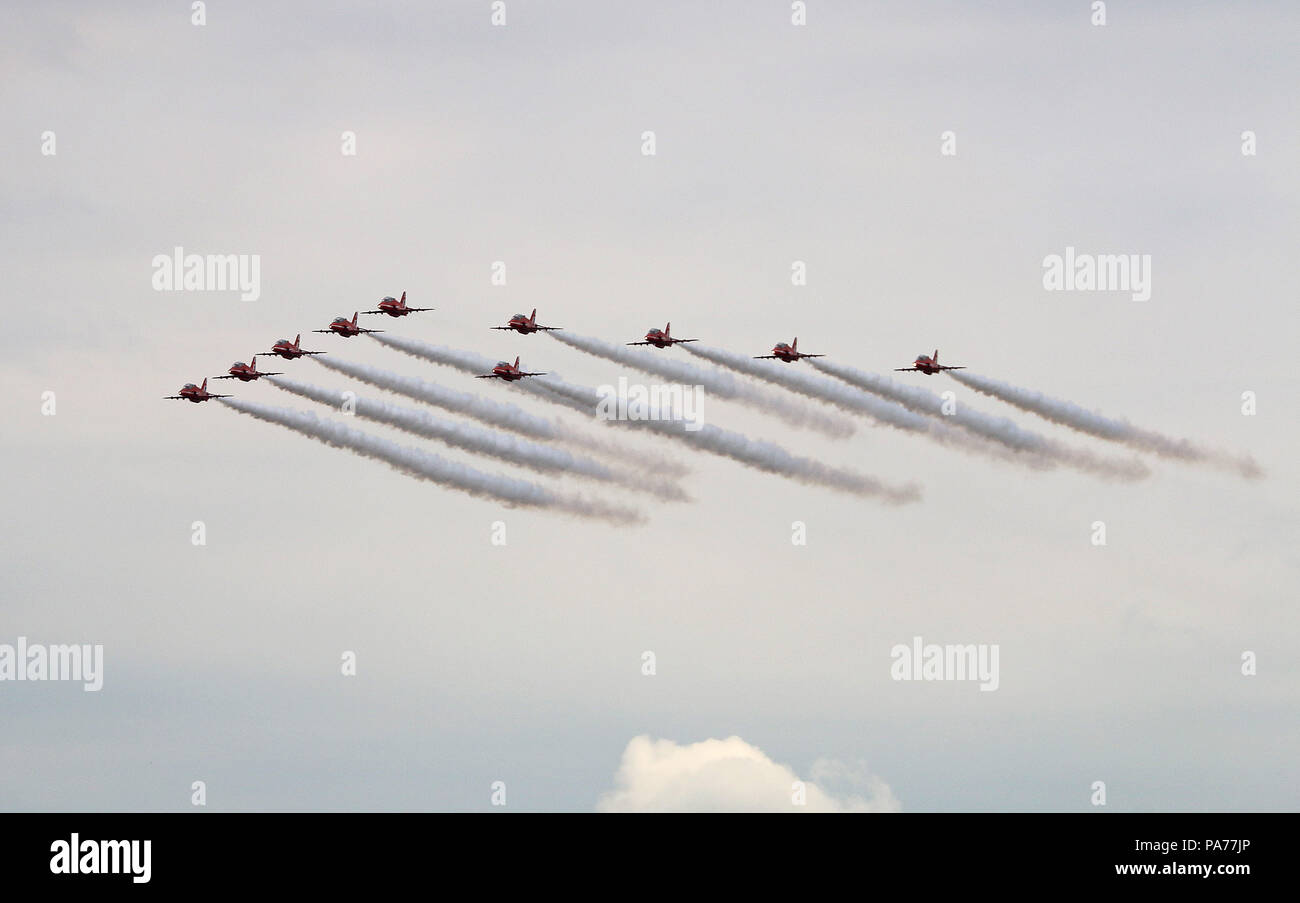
column 191, row 392
column 507, row 371
column 246, row 372
column 662, row 339
column 395, row 308
column 290, row 350
column 345, row 327
column 788, row 353
column 524, row 325
column 926, row 364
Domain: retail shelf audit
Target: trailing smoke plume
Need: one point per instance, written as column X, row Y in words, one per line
column 1069, row 414
column 429, row 466
column 500, row 414
column 757, row 453
column 718, row 382
column 484, row 441
column 814, row 387
column 894, row 414
column 998, row 429
column 506, row 416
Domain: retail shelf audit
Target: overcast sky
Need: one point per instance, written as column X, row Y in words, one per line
column 522, row 663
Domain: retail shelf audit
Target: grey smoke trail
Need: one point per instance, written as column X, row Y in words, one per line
column 718, row 382
column 1072, row 415
column 756, row 453
column 815, row 387
column 469, row 362
column 484, row 441
column 432, row 467
column 887, row 412
column 763, row 455
column 506, row 416
column 998, row 429
column 496, row 413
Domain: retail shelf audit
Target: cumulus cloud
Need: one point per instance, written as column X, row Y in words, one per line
column 732, row 776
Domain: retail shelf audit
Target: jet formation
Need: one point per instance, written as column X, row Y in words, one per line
column 504, row 370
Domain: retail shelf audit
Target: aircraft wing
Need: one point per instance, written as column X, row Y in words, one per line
column 276, row 373
column 369, row 330
column 532, row 374
column 234, row 377
column 675, row 341
column 547, row 328
column 952, row 368
column 180, row 397
column 221, row 396
column 905, row 369
column 421, row 309
column 765, row 357
column 326, row 331
column 501, row 327
column 487, row 376
column 376, row 311
column 640, row 343
column 801, row 354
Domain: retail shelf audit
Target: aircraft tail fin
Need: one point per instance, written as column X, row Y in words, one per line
column 403, row 296
column 532, row 320
column 516, row 362
column 794, row 346
column 204, row 387
column 936, row 355
column 354, row 317
column 668, row 331
column 297, row 338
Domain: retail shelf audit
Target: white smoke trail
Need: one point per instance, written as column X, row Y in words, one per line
column 506, row 416
column 432, row 467
column 817, row 387
column 886, row 412
column 756, row 453
column 773, row 458
column 485, row 410
column 477, row 439
column 999, row 429
column 719, row 382
column 763, row 455
column 1069, row 414
column 469, row 362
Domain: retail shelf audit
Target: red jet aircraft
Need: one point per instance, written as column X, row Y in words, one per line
column 246, row 372
column 345, row 327
column 191, row 392
column 788, row 353
column 661, row 339
column 926, row 364
column 507, row 371
column 524, row 325
column 395, row 308
column 290, row 350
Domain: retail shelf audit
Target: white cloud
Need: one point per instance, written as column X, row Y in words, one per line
column 732, row 776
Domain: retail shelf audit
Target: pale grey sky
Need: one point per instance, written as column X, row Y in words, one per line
column 522, row 143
